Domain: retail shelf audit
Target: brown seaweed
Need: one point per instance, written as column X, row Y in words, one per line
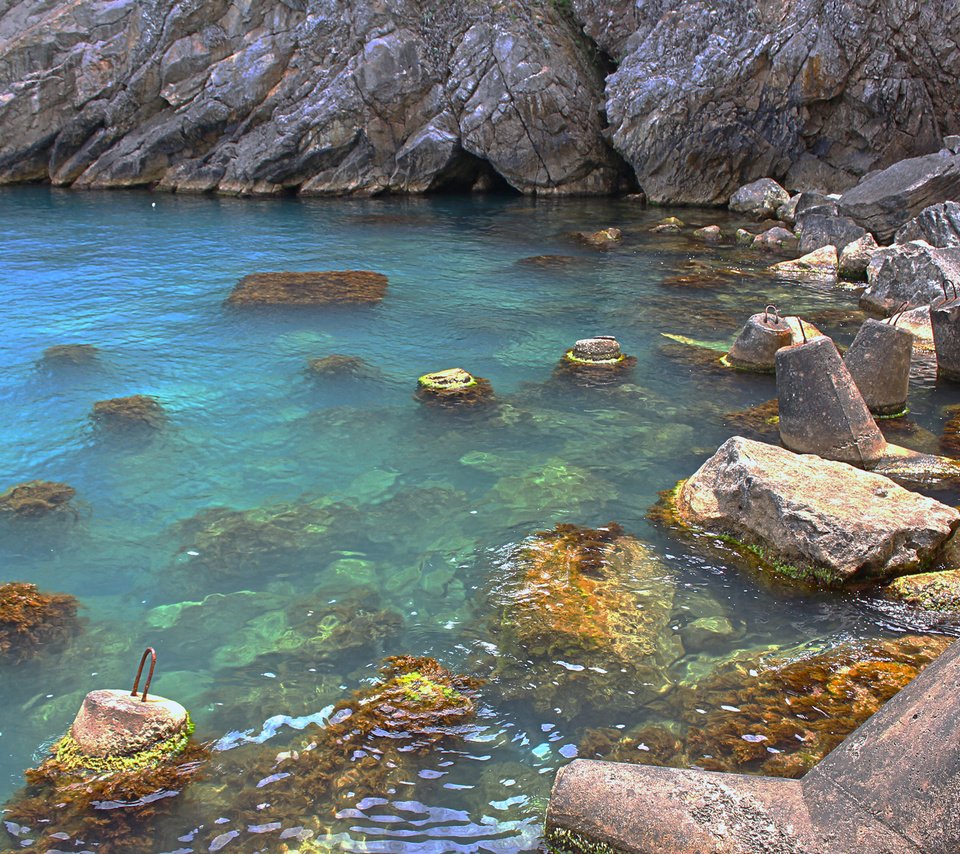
column 31, row 621
column 36, row 498
column 138, row 410
column 314, row 288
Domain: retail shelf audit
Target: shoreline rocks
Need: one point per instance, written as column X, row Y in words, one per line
column 814, row 519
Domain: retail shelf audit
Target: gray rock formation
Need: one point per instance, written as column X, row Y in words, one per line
column 816, row 231
column 910, row 274
column 337, row 96
column 884, row 201
column 856, row 256
column 297, row 95
column 709, row 96
column 759, row 199
column 938, row 224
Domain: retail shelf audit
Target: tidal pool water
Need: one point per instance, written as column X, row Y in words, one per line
column 367, row 511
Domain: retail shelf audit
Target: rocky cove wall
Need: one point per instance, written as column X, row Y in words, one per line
column 685, row 99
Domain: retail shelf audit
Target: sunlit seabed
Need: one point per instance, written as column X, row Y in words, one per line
column 427, row 503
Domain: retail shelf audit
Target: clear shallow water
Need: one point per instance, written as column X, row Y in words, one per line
column 427, row 504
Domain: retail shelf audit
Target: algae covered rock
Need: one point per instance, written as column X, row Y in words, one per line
column 36, row 498
column 812, row 518
column 584, row 618
column 337, row 364
column 136, row 411
column 775, row 714
column 316, row 288
column 818, row 265
column 936, row 592
column 554, row 484
column 602, row 239
column 595, row 361
column 31, row 621
column 70, row 355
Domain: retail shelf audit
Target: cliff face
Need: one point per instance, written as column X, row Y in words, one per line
column 331, row 96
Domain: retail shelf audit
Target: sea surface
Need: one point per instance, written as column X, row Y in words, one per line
column 358, row 494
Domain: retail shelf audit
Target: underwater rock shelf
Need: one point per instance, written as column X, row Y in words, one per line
column 891, row 786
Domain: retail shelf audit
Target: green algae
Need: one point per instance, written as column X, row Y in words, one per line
column 560, row 840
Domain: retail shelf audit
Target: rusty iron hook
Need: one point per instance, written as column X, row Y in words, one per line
column 776, row 314
column 146, row 685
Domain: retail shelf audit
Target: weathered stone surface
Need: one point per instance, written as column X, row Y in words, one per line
column 759, row 199
column 816, row 231
column 821, row 409
column 708, row 97
column 820, row 264
column 709, row 233
column 856, row 256
column 788, row 210
column 756, row 346
column 938, row 225
column 321, row 98
column 879, row 362
column 315, row 288
column 884, row 201
column 775, row 238
column 816, row 518
column 601, row 239
column 910, row 274
column 114, row 723
column 945, row 324
column 917, row 322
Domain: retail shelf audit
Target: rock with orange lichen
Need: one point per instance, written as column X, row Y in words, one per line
column 324, row 287
column 776, row 715
column 31, row 621
column 36, row 498
column 584, row 618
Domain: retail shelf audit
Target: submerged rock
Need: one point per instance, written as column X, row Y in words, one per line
column 595, row 361
column 337, row 364
column 315, row 288
column 70, row 354
column 452, row 388
column 709, row 233
column 600, row 239
column 775, row 715
column 773, row 238
column 32, row 622
column 813, row 519
column 119, row 413
column 550, row 262
column 36, row 498
column 584, row 618
column 756, row 422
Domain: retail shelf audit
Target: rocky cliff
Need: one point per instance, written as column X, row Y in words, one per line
column 342, row 96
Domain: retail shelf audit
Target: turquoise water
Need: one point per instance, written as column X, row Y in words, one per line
column 424, row 503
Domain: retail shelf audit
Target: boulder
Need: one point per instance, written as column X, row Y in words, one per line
column 910, row 274
column 816, row 230
column 788, row 210
column 709, row 233
column 818, row 203
column 601, row 239
column 813, row 518
column 36, row 498
column 820, row 264
column 917, row 322
column 314, row 288
column 856, row 256
column 746, row 238
column 775, row 238
column 135, row 411
column 879, row 362
column 116, row 723
column 759, row 199
column 882, row 202
column 938, row 225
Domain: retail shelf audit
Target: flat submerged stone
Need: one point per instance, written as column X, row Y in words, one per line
column 313, row 288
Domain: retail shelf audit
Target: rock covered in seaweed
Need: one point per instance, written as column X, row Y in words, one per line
column 584, row 617
column 602, row 239
column 595, row 361
column 36, row 498
column 811, row 518
column 773, row 714
column 136, row 411
column 337, row 364
column 74, row 355
column 325, row 287
column 934, row 592
column 31, row 621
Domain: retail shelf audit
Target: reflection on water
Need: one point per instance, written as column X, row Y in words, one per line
column 288, row 523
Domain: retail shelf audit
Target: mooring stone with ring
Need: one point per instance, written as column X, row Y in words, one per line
column 945, row 322
column 756, row 346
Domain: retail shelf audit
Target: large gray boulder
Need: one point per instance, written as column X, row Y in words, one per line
column 280, row 96
column 884, row 201
column 814, row 518
column 910, row 274
column 856, row 256
column 938, row 224
column 709, row 96
column 816, row 230
column 759, row 199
